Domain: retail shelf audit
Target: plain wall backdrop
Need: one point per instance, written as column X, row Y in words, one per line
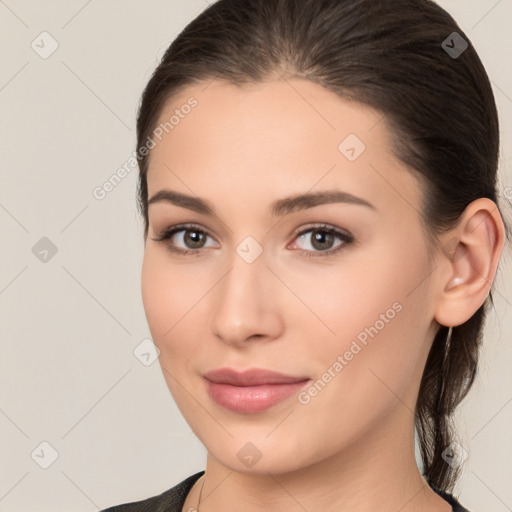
column 71, row 313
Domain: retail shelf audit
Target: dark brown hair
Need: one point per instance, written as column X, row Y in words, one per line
column 387, row 54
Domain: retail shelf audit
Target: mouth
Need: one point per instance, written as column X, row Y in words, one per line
column 251, row 391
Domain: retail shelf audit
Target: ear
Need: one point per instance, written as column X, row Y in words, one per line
column 468, row 262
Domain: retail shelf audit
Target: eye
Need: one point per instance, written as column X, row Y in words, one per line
column 322, row 237
column 194, row 237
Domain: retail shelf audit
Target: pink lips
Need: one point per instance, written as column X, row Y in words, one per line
column 251, row 391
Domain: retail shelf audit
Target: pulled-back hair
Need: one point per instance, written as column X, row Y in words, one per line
column 389, row 55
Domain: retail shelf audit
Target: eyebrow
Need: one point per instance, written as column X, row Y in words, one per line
column 279, row 207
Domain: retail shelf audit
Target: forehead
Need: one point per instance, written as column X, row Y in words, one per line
column 273, row 139
column 277, row 111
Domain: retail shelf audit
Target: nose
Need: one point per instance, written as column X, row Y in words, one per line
column 246, row 304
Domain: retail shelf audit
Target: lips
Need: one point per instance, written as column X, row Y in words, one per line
column 252, row 377
column 252, row 390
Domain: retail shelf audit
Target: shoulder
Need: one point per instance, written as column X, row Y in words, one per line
column 171, row 500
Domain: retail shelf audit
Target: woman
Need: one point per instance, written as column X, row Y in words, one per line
column 318, row 183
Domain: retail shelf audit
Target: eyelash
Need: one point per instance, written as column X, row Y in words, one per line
column 346, row 238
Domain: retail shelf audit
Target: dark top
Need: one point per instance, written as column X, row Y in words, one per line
column 173, row 499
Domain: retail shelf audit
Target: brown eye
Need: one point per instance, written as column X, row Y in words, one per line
column 322, row 240
column 194, row 238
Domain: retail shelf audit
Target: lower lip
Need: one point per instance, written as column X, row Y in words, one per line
column 251, row 399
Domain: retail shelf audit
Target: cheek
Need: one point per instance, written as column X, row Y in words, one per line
column 163, row 297
column 172, row 297
column 155, row 298
column 373, row 307
column 370, row 367
column 346, row 299
column 380, row 317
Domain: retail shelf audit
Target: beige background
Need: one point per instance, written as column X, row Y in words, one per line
column 69, row 325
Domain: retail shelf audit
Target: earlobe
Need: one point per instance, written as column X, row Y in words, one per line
column 471, row 258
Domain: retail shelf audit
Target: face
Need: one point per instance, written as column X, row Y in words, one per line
column 335, row 294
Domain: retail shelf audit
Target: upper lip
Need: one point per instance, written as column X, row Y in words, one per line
column 251, row 377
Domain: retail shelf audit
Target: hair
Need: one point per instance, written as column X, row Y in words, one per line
column 440, row 109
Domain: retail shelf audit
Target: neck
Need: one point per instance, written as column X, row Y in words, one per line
column 377, row 471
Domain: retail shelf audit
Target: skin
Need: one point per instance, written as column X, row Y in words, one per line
column 351, row 447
